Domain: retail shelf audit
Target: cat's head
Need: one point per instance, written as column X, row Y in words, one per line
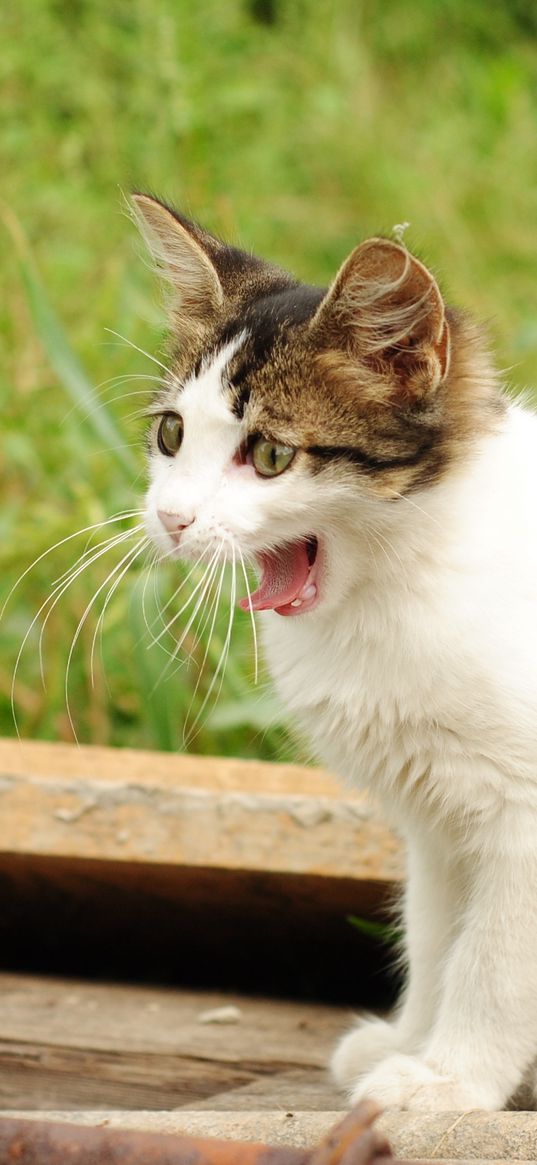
column 291, row 415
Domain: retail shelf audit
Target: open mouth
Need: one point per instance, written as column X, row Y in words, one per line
column 288, row 583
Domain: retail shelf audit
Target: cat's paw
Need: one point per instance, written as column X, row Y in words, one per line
column 406, row 1082
column 371, row 1041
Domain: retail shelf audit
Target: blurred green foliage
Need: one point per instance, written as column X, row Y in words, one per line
column 295, row 127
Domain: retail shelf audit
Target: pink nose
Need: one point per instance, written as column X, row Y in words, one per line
column 174, row 523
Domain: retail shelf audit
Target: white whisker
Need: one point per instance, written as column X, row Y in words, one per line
column 211, row 615
column 100, row 621
column 69, row 537
column 56, row 594
column 181, row 611
column 150, row 572
column 206, row 579
column 380, row 539
column 252, row 617
column 177, row 591
column 104, row 404
column 113, row 448
column 65, row 582
column 86, row 554
column 204, row 619
column 129, row 557
column 136, row 348
column 411, row 502
column 221, row 666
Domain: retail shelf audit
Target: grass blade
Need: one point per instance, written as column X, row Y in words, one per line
column 61, row 356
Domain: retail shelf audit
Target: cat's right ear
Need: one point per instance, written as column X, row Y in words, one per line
column 195, row 294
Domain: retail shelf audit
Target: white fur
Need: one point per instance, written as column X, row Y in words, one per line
column 427, row 693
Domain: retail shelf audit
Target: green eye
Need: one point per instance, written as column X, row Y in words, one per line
column 170, row 434
column 270, row 458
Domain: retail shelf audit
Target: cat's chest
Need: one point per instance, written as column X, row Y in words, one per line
column 364, row 702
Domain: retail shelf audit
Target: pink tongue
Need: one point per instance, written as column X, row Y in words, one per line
column 285, row 571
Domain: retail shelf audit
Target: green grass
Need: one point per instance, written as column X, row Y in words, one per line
column 296, row 127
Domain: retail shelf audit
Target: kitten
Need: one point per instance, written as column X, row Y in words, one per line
column 356, row 442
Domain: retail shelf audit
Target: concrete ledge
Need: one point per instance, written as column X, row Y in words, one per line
column 443, row 1137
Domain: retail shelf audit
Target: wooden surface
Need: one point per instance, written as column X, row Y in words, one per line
column 68, row 1044
column 123, row 806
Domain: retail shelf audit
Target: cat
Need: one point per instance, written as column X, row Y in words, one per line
column 357, row 442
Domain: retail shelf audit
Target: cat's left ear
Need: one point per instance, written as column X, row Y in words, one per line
column 385, row 310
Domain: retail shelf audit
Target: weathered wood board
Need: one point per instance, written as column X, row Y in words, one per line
column 114, row 805
column 70, row 1044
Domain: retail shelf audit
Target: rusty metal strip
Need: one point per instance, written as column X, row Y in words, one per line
column 353, row 1141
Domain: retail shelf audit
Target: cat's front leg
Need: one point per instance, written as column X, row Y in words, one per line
column 485, row 1032
column 430, row 906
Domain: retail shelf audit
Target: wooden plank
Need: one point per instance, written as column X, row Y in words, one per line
column 42, row 1077
column 146, row 768
column 269, row 1035
column 73, row 1044
column 307, row 1089
column 121, row 806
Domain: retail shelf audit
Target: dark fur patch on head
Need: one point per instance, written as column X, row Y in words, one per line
column 267, row 322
